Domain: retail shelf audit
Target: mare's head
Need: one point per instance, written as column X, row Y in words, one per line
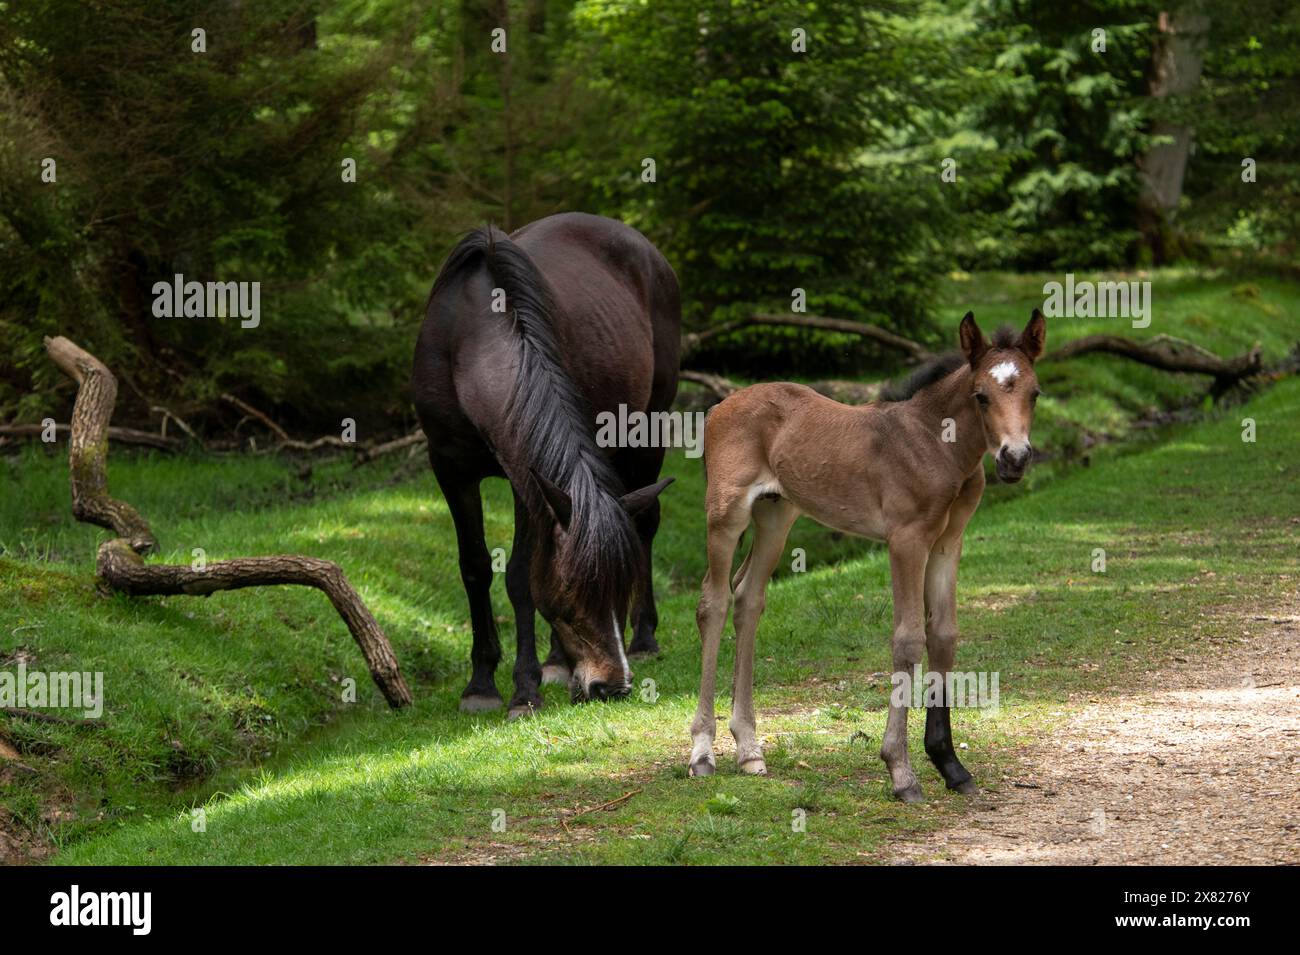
column 587, row 565
column 1005, row 388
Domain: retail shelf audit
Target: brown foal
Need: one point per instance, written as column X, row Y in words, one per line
column 909, row 472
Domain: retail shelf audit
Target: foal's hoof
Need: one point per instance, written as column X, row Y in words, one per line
column 520, row 710
column 554, row 673
column 480, row 703
column 702, row 767
column 911, row 794
column 967, row 787
column 754, row 767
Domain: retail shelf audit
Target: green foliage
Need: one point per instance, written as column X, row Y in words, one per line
column 1067, row 125
column 775, row 169
column 1247, row 106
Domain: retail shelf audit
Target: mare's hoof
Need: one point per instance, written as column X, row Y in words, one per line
column 643, row 649
column 480, row 703
column 701, row 767
column 553, row 673
column 521, row 709
column 911, row 794
column 966, row 787
column 754, row 767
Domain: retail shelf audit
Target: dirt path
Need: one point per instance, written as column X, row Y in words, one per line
column 1201, row 770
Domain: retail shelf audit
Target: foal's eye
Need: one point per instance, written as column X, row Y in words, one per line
column 1033, row 399
column 982, row 398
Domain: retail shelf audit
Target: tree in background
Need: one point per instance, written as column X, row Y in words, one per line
column 1246, row 106
column 1068, row 117
column 778, row 132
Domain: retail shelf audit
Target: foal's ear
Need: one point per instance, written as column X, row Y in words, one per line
column 1034, row 336
column 634, row 502
column 557, row 500
column 973, row 345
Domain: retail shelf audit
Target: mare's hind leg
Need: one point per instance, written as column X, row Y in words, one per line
column 476, row 574
column 941, row 634
column 528, row 675
column 908, row 554
column 772, row 520
column 727, row 522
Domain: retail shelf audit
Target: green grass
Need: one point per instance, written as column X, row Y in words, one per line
column 234, row 702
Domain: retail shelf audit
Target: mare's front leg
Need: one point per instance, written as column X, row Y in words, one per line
column 638, row 468
column 476, row 574
column 908, row 553
column 528, row 674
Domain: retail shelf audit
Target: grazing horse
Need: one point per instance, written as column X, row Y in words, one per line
column 526, row 338
column 908, row 471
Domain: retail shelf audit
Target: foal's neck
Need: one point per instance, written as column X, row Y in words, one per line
column 950, row 397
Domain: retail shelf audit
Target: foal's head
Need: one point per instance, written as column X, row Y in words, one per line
column 587, row 564
column 1005, row 388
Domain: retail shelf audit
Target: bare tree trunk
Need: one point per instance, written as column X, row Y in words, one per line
column 120, row 562
column 1175, row 70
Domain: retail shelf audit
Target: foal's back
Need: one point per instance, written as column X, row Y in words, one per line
column 856, row 469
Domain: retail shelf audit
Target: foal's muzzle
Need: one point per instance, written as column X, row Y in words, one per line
column 1011, row 463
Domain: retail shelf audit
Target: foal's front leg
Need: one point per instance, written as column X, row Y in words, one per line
column 941, row 638
column 907, row 559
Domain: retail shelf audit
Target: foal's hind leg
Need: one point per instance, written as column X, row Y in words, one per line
column 772, row 520
column 711, row 617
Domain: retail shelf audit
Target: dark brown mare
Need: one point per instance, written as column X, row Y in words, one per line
column 526, row 339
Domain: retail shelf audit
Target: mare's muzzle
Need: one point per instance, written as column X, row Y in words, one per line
column 599, row 690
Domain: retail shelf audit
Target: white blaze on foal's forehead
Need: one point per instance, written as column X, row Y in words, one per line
column 1004, row 372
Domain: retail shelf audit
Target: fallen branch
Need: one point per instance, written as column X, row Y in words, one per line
column 119, row 435
column 607, row 805
column 416, row 437
column 252, row 412
column 1168, row 354
column 169, row 415
column 119, row 562
column 913, row 350
column 722, row 387
column 40, row 717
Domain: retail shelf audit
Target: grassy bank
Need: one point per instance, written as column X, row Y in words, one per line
column 235, row 703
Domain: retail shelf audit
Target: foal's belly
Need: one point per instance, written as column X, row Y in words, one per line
column 844, row 517
column 854, row 511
